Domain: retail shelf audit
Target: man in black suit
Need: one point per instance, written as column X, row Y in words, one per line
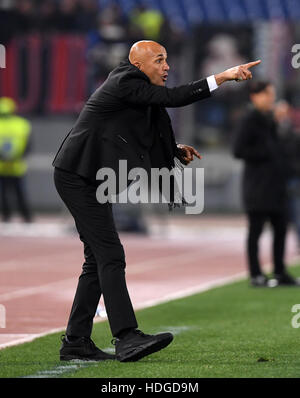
column 124, row 119
column 264, row 182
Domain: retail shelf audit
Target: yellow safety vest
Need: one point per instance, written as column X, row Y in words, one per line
column 14, row 134
column 150, row 22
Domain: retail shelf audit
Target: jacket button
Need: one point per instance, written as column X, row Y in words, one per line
column 142, row 157
column 197, row 91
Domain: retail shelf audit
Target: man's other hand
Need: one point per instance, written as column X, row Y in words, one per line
column 185, row 153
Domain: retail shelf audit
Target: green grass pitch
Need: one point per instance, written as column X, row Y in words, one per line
column 233, row 331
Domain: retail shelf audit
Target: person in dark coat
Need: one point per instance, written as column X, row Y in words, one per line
column 124, row 119
column 264, row 182
column 290, row 142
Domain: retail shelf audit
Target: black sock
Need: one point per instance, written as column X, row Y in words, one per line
column 124, row 333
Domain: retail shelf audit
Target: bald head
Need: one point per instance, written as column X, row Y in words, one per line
column 143, row 49
column 150, row 57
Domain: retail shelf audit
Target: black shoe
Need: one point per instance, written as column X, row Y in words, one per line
column 137, row 345
column 259, row 281
column 83, row 348
column 285, row 279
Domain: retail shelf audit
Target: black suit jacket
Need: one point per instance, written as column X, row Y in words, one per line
column 125, row 118
column 264, row 176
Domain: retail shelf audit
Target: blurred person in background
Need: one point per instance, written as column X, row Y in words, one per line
column 112, row 25
column 8, row 21
column 108, row 44
column 88, row 14
column 147, row 23
column 264, row 182
column 48, row 16
column 14, row 144
column 68, row 15
column 290, row 140
column 152, row 24
column 25, row 16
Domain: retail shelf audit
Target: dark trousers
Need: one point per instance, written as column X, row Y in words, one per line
column 256, row 222
column 14, row 187
column 103, row 271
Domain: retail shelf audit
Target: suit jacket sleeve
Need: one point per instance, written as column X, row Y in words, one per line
column 140, row 92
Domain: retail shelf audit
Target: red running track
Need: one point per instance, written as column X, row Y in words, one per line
column 40, row 265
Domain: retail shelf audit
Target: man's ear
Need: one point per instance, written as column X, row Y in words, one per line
column 137, row 64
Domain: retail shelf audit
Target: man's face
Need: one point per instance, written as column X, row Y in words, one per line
column 155, row 66
column 265, row 99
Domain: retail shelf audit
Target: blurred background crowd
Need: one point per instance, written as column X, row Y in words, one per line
column 59, row 51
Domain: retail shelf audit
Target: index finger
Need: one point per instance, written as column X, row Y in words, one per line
column 197, row 153
column 250, row 64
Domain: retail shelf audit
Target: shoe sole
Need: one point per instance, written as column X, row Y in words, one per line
column 141, row 352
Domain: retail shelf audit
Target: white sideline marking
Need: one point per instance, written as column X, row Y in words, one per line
column 193, row 290
column 175, row 330
column 45, row 230
column 135, row 268
column 149, row 303
column 27, row 337
column 29, row 291
column 57, row 371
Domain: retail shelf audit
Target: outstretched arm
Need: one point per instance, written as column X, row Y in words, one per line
column 237, row 73
column 137, row 91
